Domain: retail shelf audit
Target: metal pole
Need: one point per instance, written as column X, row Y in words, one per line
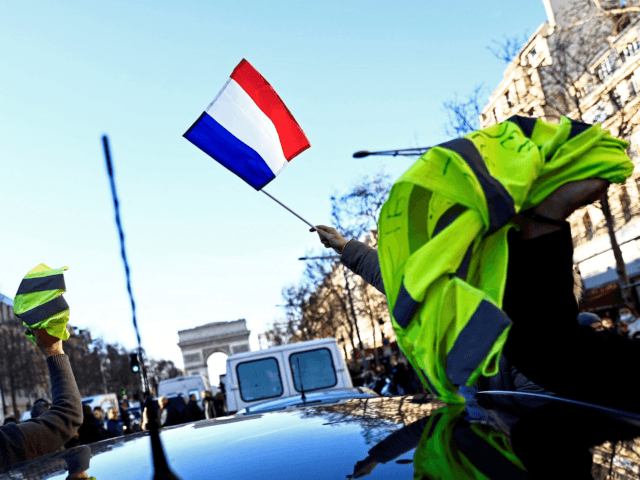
column 282, row 204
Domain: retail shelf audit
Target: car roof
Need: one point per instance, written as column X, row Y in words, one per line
column 325, row 441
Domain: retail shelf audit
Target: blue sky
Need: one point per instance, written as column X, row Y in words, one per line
column 202, row 245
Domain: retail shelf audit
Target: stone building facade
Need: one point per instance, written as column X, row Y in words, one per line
column 603, row 86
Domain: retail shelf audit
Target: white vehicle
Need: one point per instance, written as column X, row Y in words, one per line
column 104, row 401
column 255, row 377
column 185, row 386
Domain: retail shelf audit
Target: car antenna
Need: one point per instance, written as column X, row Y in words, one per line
column 161, row 468
column 304, row 398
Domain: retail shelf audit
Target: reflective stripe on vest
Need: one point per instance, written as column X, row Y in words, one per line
column 44, row 311
column 475, row 341
column 406, row 307
column 501, row 205
column 41, row 284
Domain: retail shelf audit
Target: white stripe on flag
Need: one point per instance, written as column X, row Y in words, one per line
column 238, row 113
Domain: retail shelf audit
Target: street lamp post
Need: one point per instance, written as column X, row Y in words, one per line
column 405, row 152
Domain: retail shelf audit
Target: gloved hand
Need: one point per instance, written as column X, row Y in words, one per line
column 330, row 238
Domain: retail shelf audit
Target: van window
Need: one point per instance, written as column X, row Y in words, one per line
column 259, row 379
column 316, row 367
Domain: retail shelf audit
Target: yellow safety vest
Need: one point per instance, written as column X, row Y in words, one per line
column 443, row 237
column 39, row 302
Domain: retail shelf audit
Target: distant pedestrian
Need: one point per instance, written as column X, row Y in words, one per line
column 90, row 431
column 193, row 413
column 99, row 414
column 39, row 407
column 207, row 402
column 218, row 404
column 168, row 414
column 400, row 376
column 113, row 426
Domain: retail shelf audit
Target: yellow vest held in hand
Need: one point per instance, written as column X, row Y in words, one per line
column 442, row 240
column 39, row 302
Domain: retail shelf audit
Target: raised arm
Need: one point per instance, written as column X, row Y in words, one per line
column 51, row 430
column 358, row 257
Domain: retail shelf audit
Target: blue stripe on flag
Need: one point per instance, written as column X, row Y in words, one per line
column 216, row 141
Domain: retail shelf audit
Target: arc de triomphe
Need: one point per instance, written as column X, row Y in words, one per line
column 200, row 342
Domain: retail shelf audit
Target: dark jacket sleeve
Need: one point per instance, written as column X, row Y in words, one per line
column 363, row 260
column 52, row 429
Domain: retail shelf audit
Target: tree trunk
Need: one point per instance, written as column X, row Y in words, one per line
column 355, row 319
column 366, row 300
column 621, row 269
column 347, row 323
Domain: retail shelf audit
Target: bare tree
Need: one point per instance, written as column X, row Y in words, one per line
column 464, row 114
column 329, row 300
column 508, row 48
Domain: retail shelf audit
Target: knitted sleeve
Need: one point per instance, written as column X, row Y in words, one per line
column 52, row 429
column 363, row 260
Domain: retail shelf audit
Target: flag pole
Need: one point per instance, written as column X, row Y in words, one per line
column 278, row 201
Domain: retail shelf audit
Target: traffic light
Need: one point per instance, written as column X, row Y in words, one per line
column 133, row 360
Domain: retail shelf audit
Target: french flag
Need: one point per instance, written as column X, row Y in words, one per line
column 248, row 129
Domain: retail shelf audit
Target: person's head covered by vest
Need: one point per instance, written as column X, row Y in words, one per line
column 39, row 302
column 443, row 235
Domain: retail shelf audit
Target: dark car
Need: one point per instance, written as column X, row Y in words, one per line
column 504, row 435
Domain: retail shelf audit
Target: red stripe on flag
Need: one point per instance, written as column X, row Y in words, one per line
column 292, row 138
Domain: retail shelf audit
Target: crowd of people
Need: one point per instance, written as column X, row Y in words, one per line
column 174, row 411
column 391, row 376
column 626, row 323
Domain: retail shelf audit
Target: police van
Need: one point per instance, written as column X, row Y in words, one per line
column 185, row 387
column 284, row 371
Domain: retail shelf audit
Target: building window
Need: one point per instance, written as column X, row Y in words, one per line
column 532, row 55
column 631, row 50
column 638, row 185
column 605, row 69
column 596, row 114
column 615, row 99
column 588, row 225
column 508, row 98
column 631, row 86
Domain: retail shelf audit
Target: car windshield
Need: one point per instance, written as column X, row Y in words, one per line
column 259, row 379
column 315, row 368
